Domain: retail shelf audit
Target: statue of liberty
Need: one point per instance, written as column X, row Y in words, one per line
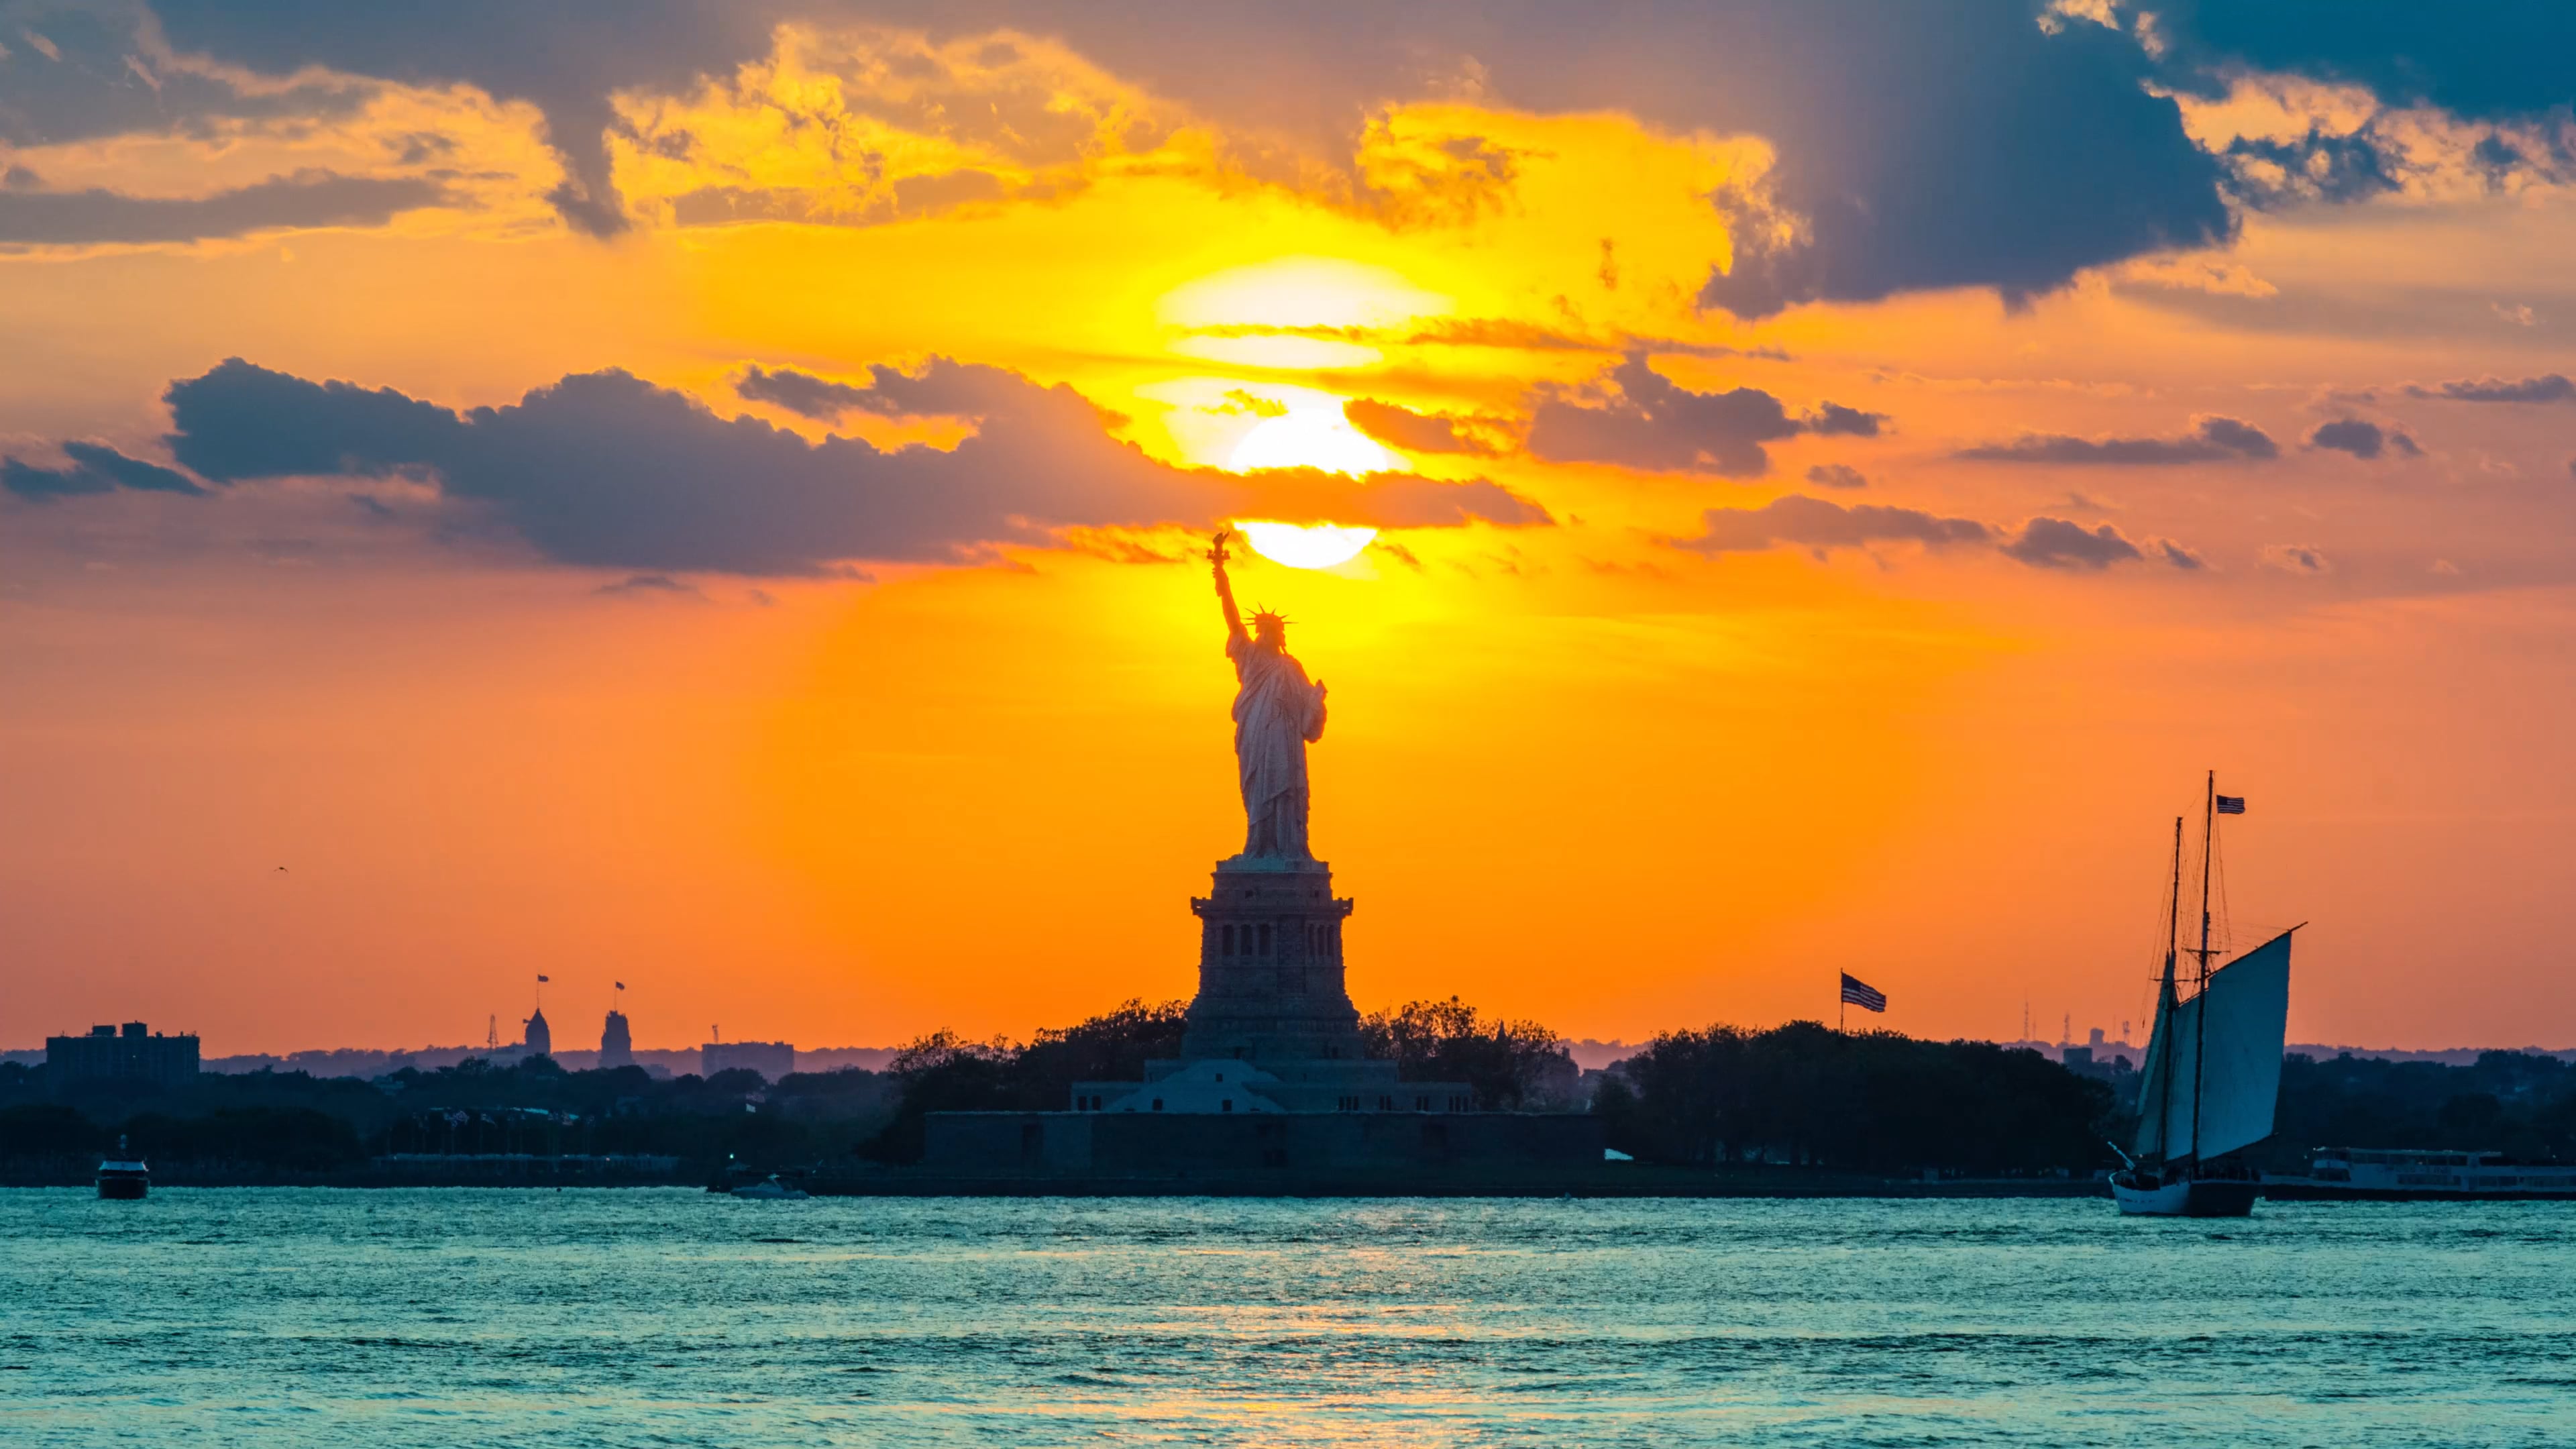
column 1277, row 713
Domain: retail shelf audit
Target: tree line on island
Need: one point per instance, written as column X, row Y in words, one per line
column 1512, row 1065
column 1800, row 1096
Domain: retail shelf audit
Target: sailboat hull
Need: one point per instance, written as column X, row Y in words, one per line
column 2184, row 1197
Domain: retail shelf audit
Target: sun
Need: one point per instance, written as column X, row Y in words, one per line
column 1305, row 546
column 1309, row 438
column 1299, row 292
column 1309, row 434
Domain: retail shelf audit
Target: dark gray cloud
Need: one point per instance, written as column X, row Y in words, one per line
column 2177, row 555
column 240, row 421
column 305, row 199
column 2054, row 543
column 568, row 60
column 92, row 76
column 2211, row 440
column 1402, row 427
column 1924, row 146
column 1836, row 475
column 2499, row 62
column 652, row 585
column 2490, row 61
column 944, row 389
column 801, row 393
column 1654, row 423
column 1831, row 420
column 2300, row 559
column 94, row 468
column 2362, row 438
column 1927, row 146
column 606, row 470
column 1817, row 524
column 1821, row 526
column 2548, row 388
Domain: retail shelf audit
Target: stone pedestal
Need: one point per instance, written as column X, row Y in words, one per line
column 1272, row 1029
column 1270, row 967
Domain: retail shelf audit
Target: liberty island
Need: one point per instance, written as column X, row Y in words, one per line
column 1272, row 1077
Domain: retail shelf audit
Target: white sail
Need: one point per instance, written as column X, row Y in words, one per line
column 2151, row 1086
column 2231, row 1062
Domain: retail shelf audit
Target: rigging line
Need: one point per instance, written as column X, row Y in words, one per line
column 2142, row 1001
column 2200, row 1018
column 2173, row 947
column 2145, row 992
column 2207, row 860
column 2226, row 917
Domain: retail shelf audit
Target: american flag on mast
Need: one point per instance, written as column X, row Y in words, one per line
column 2231, row 804
column 1863, row 995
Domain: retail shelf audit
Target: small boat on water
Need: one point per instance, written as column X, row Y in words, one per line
column 124, row 1177
column 2213, row 1069
column 772, row 1189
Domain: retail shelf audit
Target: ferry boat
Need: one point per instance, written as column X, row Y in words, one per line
column 772, row 1188
column 124, row 1177
column 2376, row 1174
column 2213, row 1068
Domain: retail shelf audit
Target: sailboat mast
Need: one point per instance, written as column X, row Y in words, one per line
column 2208, row 837
column 2200, row 1018
column 2165, row 999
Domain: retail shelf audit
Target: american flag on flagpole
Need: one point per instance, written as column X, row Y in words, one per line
column 2231, row 804
column 1863, row 995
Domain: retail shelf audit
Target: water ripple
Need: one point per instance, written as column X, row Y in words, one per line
column 265, row 1316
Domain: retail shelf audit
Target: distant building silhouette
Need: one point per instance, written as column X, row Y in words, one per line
column 616, row 1047
column 772, row 1059
column 2083, row 1062
column 107, row 1054
column 540, row 1038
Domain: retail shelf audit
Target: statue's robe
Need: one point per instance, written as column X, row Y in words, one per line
column 1276, row 714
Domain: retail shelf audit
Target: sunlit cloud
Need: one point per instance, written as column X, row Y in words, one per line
column 856, row 127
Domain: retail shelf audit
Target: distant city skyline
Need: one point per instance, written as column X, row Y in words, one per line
column 1588, row 1053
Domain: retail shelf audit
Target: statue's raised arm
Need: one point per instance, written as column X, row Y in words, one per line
column 1224, row 586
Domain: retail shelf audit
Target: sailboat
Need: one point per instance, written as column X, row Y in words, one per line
column 2213, row 1066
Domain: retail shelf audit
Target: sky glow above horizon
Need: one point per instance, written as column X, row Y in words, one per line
column 718, row 498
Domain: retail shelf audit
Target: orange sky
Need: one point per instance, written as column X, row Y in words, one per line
column 1597, row 755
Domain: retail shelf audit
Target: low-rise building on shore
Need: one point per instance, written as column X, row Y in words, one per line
column 132, row 1053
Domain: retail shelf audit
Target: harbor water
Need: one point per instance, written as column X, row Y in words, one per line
column 656, row 1317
